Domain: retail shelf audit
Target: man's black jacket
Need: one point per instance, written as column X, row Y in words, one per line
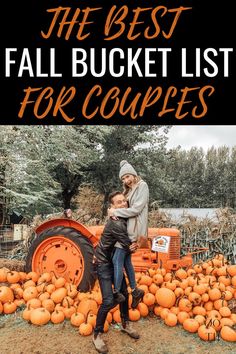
column 115, row 230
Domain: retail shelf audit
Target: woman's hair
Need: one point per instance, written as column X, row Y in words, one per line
column 128, row 189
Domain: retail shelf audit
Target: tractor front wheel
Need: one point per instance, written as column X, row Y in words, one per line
column 65, row 252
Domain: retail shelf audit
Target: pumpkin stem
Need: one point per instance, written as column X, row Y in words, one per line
column 161, row 263
column 68, row 303
column 52, row 271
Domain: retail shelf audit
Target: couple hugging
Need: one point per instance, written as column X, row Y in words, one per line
column 126, row 227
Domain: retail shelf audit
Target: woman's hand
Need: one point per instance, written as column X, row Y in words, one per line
column 110, row 212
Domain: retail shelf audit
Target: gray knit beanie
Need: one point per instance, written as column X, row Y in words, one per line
column 126, row 169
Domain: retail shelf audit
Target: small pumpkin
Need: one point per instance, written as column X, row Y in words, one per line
column 165, row 297
column 182, row 316
column 171, row 319
column 3, row 275
column 77, row 319
column 9, row 307
column 149, row 299
column 40, row 316
column 134, row 314
column 143, row 309
column 85, row 329
column 207, row 333
column 228, row 334
column 13, row 277
column 191, row 325
column 58, row 295
column 116, row 316
column 6, row 294
column 57, row 316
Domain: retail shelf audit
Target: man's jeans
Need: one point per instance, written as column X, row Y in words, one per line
column 105, row 274
column 122, row 260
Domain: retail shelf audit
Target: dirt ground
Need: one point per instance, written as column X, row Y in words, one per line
column 19, row 337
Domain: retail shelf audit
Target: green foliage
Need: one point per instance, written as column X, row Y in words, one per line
column 43, row 167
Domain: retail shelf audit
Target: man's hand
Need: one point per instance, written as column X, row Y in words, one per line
column 133, row 247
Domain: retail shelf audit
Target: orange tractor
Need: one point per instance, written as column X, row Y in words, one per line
column 66, row 247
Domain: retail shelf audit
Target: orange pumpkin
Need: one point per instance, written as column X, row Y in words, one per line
column 134, row 314
column 157, row 310
column 231, row 270
column 77, row 318
column 143, row 309
column 48, row 304
column 26, row 314
column 226, row 322
column 185, row 305
column 149, row 299
column 171, row 319
column 165, row 297
column 181, row 273
column 91, row 318
column 207, row 333
column 34, row 303
column 68, row 311
column 40, row 316
column 9, row 307
column 32, row 276
column 182, row 316
column 106, row 326
column 158, row 279
column 58, row 295
column 87, row 305
column 228, row 334
column 116, row 316
column 1, row 307
column 6, row 294
column 225, row 311
column 85, row 329
column 153, row 288
column 57, row 316
column 30, row 292
column 191, row 325
column 145, row 280
column 3, row 275
column 201, row 319
column 13, row 277
column 109, row 317
column 214, row 294
column 59, row 282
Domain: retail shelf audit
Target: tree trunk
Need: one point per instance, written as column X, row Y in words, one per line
column 105, row 204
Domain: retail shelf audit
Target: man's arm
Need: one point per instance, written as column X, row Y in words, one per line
column 119, row 232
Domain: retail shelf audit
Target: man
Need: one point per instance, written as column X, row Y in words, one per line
column 115, row 230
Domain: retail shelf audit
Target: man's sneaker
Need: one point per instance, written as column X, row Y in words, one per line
column 137, row 295
column 126, row 327
column 99, row 343
column 118, row 297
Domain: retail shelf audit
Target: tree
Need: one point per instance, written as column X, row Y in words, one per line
column 132, row 143
column 46, row 165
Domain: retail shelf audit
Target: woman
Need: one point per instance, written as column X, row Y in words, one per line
column 137, row 194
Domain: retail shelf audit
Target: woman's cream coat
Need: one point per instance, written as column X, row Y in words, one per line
column 137, row 213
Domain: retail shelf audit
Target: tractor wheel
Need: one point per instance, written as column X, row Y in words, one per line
column 66, row 252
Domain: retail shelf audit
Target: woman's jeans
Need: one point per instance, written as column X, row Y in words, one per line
column 122, row 260
column 105, row 274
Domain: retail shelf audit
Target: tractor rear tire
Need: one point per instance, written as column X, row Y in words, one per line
column 73, row 243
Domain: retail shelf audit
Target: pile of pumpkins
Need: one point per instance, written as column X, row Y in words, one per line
column 198, row 298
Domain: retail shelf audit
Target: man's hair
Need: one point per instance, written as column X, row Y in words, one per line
column 112, row 195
